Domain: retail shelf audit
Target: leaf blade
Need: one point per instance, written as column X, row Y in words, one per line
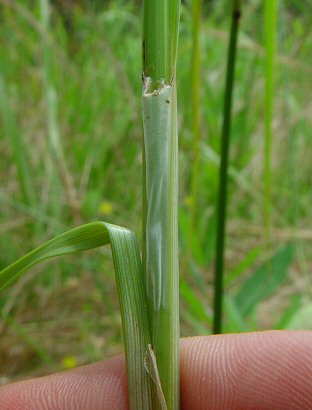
column 130, row 284
column 264, row 280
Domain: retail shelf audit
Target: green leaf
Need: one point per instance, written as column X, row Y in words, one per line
column 130, row 284
column 235, row 321
column 193, row 241
column 302, row 319
column 289, row 313
column 19, row 148
column 264, row 281
column 208, row 234
column 243, row 265
column 195, row 306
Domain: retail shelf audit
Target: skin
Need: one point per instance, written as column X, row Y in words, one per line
column 263, row 370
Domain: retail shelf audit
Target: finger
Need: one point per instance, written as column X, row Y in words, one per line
column 100, row 386
column 269, row 370
column 265, row 370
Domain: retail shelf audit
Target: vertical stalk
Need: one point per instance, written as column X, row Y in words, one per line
column 270, row 46
column 19, row 148
column 223, row 174
column 196, row 85
column 160, row 192
column 19, row 151
column 50, row 95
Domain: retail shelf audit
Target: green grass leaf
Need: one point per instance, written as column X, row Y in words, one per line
column 19, row 148
column 195, row 306
column 289, row 313
column 264, row 281
column 235, row 322
column 193, row 241
column 301, row 319
column 243, row 265
column 130, row 284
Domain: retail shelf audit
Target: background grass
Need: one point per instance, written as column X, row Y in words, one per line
column 66, row 313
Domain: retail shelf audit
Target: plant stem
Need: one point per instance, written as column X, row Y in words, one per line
column 50, row 95
column 196, row 86
column 160, row 191
column 223, row 174
column 160, row 40
column 19, row 148
column 270, row 46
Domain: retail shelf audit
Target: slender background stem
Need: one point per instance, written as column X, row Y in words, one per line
column 19, row 148
column 195, row 89
column 222, row 196
column 270, row 46
column 55, row 143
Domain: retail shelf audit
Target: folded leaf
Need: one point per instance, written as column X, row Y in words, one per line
column 264, row 281
column 130, row 284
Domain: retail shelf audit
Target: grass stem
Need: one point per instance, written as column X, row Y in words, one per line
column 196, row 86
column 223, row 175
column 270, row 46
column 160, row 192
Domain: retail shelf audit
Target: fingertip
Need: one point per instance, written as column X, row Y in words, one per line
column 267, row 370
column 94, row 387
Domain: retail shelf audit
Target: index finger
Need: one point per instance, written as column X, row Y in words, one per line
column 264, row 370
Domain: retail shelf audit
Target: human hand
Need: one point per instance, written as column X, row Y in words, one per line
column 263, row 370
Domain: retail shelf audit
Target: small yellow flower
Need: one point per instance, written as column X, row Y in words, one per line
column 69, row 362
column 105, row 208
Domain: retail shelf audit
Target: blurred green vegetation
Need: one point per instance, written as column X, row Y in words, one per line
column 70, row 143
